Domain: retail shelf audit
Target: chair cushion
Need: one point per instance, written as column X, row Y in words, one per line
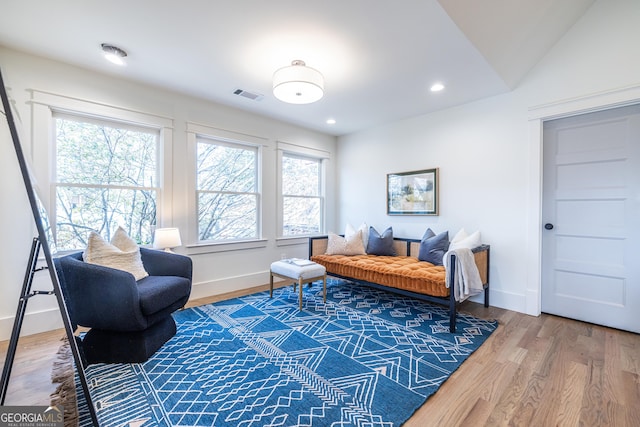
column 158, row 293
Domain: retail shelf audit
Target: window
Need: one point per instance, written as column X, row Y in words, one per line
column 302, row 199
column 227, row 194
column 106, row 175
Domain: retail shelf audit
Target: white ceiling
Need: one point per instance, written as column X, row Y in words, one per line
column 379, row 58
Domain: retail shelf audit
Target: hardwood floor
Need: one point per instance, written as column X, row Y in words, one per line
column 533, row 371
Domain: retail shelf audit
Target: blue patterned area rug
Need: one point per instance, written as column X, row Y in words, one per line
column 365, row 358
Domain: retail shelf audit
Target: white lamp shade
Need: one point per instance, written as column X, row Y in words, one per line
column 165, row 238
column 298, row 84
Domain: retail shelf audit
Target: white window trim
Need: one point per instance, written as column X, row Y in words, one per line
column 283, row 148
column 195, row 131
column 46, row 104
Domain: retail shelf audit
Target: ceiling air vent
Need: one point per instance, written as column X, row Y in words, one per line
column 247, row 94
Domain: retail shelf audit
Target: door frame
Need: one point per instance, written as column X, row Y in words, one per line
column 537, row 116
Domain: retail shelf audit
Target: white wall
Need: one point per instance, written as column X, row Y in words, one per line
column 214, row 272
column 488, row 151
column 481, row 180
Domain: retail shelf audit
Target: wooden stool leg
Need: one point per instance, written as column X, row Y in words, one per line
column 300, row 284
column 324, row 288
column 271, row 285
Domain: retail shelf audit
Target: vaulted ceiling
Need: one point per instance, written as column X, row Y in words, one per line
column 379, row 58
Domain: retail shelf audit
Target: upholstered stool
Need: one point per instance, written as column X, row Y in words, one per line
column 301, row 272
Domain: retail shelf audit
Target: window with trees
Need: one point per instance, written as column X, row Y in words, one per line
column 302, row 195
column 227, row 190
column 106, row 175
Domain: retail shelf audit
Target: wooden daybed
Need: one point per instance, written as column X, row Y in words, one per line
column 403, row 274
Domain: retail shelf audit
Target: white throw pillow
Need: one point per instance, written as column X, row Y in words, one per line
column 122, row 241
column 464, row 240
column 122, row 253
column 460, row 235
column 339, row 245
column 350, row 231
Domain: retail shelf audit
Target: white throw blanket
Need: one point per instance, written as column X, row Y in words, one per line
column 467, row 281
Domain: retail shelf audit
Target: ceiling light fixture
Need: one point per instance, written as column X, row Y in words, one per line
column 113, row 54
column 437, row 87
column 298, row 84
column 331, row 121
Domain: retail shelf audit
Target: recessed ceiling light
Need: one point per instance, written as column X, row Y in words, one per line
column 113, row 54
column 331, row 121
column 437, row 87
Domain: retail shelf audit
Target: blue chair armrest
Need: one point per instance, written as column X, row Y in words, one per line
column 160, row 263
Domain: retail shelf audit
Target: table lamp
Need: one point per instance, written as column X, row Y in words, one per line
column 166, row 238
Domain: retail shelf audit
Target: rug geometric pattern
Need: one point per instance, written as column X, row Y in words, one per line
column 365, row 358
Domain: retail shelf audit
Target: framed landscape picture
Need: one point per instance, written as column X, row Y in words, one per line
column 413, row 193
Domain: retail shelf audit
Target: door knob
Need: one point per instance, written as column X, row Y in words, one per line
column 548, row 226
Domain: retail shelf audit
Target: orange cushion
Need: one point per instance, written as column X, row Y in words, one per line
column 399, row 272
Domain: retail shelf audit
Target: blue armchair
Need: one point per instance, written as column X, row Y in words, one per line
column 129, row 320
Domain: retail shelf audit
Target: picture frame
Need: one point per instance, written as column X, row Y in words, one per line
column 413, row 193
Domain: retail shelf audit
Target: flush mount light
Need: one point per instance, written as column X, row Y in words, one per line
column 298, row 84
column 331, row 121
column 437, row 87
column 113, row 54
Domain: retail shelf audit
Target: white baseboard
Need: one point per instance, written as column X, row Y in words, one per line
column 228, row 284
column 33, row 323
column 533, row 302
column 507, row 300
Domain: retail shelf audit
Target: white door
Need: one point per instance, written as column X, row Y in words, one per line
column 591, row 218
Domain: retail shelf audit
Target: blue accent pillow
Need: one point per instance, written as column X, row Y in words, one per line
column 381, row 244
column 433, row 247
